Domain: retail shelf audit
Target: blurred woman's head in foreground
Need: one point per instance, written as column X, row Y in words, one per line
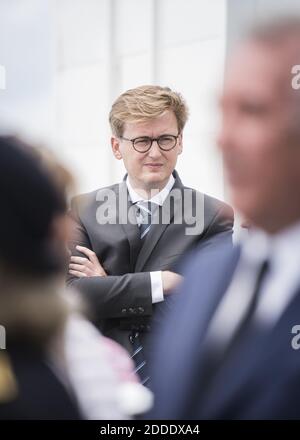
column 34, row 229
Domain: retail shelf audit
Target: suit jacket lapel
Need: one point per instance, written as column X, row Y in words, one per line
column 126, row 218
column 158, row 227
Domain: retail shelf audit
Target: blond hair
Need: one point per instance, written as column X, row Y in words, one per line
column 145, row 103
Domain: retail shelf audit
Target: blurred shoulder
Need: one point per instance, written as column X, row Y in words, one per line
column 87, row 200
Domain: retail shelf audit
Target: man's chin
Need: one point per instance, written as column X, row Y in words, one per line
column 155, row 180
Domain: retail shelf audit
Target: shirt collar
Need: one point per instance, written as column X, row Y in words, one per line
column 158, row 198
column 277, row 248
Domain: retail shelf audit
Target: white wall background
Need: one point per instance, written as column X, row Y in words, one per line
column 67, row 60
column 107, row 46
column 27, row 52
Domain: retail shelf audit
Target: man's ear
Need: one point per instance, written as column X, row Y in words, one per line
column 115, row 145
column 180, row 143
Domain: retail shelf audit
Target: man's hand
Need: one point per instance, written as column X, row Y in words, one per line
column 86, row 267
column 170, row 280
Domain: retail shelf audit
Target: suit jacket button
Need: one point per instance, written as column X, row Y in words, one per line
column 141, row 309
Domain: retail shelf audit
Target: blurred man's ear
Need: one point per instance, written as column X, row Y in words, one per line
column 180, row 143
column 115, row 145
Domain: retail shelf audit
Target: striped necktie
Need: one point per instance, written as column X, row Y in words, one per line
column 144, row 214
column 139, row 358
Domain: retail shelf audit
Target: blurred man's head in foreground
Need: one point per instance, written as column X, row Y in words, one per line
column 260, row 134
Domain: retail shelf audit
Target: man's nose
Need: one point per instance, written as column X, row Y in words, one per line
column 154, row 151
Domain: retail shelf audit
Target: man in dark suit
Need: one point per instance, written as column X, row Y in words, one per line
column 236, row 328
column 129, row 236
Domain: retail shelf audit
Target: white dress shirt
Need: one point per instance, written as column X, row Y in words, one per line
column 159, row 198
column 280, row 284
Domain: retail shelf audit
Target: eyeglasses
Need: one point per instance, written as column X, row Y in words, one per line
column 142, row 144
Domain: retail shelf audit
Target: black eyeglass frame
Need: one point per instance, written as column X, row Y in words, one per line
column 151, row 142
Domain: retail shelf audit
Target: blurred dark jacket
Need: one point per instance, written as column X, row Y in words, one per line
column 30, row 384
column 258, row 380
column 32, row 390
